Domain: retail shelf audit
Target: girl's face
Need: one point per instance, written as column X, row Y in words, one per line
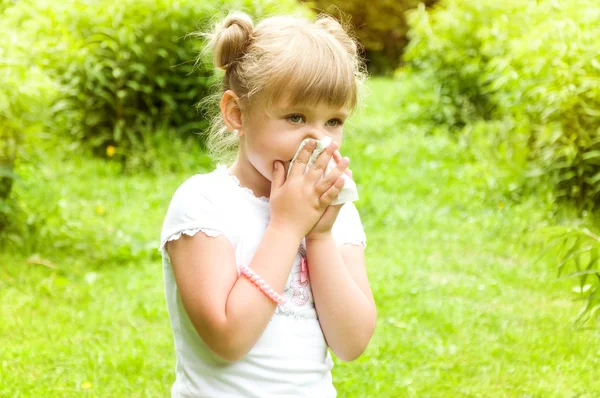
column 276, row 135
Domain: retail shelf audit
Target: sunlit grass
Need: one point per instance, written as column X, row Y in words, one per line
column 463, row 309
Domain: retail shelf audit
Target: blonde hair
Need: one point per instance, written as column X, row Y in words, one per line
column 314, row 62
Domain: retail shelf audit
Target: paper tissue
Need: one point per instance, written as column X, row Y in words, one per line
column 349, row 192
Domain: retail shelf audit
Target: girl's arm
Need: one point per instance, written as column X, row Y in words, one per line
column 342, row 294
column 230, row 313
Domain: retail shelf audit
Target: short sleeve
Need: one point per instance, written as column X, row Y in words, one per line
column 190, row 212
column 348, row 227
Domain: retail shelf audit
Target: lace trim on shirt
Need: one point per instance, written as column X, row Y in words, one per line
column 224, row 168
column 356, row 243
column 285, row 310
column 191, row 232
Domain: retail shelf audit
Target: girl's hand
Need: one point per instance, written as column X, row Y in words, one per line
column 298, row 203
column 323, row 227
column 338, row 158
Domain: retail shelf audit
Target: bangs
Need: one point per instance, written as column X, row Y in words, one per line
column 321, row 73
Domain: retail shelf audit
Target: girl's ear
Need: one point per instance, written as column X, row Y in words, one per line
column 231, row 111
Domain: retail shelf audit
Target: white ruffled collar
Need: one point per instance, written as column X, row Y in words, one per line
column 247, row 191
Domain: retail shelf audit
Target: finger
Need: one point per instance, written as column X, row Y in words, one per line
column 324, row 184
column 328, row 197
column 298, row 166
column 337, row 156
column 278, row 176
column 320, row 165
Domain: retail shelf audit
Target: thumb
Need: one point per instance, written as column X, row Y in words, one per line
column 278, row 177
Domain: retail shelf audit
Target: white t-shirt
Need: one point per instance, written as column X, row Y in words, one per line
column 291, row 358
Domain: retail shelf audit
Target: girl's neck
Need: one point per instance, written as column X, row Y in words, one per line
column 250, row 178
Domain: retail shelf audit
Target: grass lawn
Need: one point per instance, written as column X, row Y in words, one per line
column 463, row 309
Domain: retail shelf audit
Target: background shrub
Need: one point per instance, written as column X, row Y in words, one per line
column 116, row 78
column 528, row 70
column 381, row 27
column 575, row 250
column 25, row 92
column 4, row 4
column 125, row 68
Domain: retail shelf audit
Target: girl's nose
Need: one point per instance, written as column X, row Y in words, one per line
column 318, row 131
column 316, row 134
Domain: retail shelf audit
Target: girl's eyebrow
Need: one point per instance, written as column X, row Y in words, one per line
column 342, row 114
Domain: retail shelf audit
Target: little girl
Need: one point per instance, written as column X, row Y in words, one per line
column 263, row 274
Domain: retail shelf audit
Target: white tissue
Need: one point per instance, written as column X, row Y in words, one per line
column 349, row 192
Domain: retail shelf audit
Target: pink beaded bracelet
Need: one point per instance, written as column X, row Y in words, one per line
column 258, row 281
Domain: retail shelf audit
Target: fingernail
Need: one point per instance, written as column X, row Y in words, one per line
column 276, row 165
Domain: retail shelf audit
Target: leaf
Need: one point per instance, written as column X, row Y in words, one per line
column 592, row 155
column 6, row 171
column 568, row 255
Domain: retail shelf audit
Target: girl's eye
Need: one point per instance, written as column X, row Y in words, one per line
column 296, row 118
column 337, row 122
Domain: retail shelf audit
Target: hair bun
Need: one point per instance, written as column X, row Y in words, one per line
column 336, row 29
column 231, row 39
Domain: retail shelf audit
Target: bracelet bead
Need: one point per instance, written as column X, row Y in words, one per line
column 262, row 285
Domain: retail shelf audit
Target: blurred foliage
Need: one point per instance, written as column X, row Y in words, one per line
column 380, row 27
column 24, row 93
column 452, row 280
column 7, row 3
column 523, row 73
column 125, row 68
column 118, row 79
column 576, row 250
column 7, row 147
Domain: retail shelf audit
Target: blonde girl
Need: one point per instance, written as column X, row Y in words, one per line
column 262, row 274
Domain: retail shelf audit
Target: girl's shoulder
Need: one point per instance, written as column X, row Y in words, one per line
column 207, row 183
column 195, row 205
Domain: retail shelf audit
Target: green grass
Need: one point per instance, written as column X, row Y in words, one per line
column 463, row 308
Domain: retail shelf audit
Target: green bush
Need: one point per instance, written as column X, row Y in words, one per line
column 24, row 93
column 5, row 4
column 532, row 63
column 380, row 27
column 576, row 252
column 8, row 153
column 125, row 68
column 7, row 149
column 55, row 97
